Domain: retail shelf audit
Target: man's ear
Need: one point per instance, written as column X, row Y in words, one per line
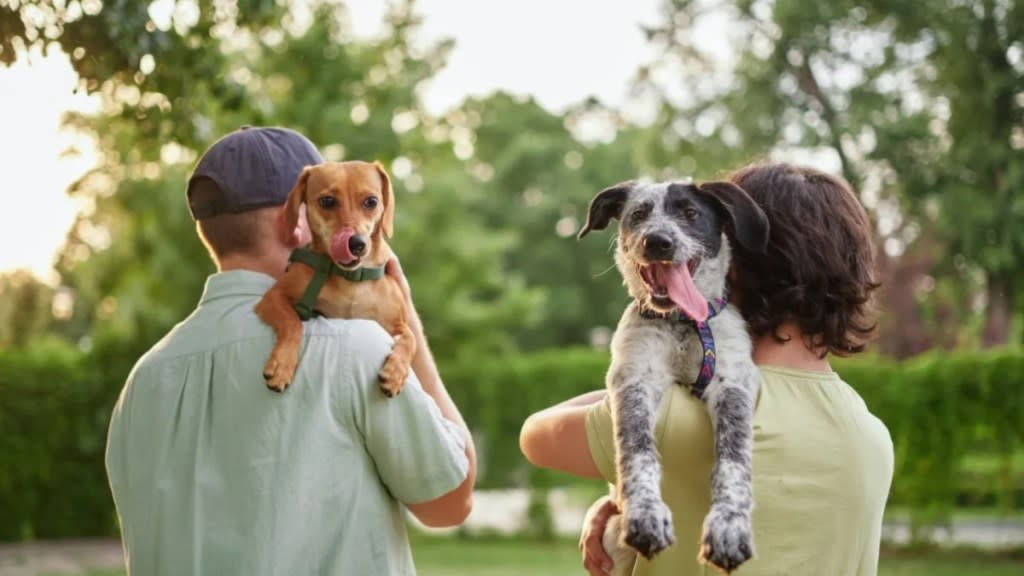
column 606, row 205
column 291, row 212
column 387, row 221
column 748, row 225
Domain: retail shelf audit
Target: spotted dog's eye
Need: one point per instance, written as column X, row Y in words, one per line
column 691, row 213
column 370, row 202
column 327, row 202
column 636, row 216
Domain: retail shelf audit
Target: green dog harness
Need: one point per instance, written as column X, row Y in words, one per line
column 323, row 268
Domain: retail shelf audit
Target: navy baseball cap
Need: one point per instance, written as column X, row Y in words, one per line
column 249, row 168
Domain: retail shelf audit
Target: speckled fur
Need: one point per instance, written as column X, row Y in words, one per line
column 648, row 356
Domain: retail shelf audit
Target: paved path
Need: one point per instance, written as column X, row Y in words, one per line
column 502, row 511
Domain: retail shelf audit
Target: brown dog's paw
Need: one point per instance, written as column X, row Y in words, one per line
column 392, row 376
column 279, row 370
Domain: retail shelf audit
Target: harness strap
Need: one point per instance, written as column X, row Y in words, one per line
column 323, row 267
column 707, row 343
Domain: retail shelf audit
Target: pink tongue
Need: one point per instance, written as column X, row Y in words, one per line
column 339, row 246
column 682, row 290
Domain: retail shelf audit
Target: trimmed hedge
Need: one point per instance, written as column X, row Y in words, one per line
column 942, row 410
column 53, row 421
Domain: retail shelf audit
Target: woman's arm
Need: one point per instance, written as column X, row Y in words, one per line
column 556, row 437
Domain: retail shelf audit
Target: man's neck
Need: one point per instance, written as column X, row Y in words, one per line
column 269, row 266
column 793, row 353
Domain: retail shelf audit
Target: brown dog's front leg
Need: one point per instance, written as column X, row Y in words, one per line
column 276, row 310
column 396, row 367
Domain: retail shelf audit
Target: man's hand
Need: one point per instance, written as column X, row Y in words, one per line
column 393, row 268
column 595, row 559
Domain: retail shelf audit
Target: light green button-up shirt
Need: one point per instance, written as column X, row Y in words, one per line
column 213, row 474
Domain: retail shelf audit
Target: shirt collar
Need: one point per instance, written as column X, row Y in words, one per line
column 234, row 283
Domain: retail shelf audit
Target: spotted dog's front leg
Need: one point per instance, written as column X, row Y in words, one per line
column 637, row 387
column 728, row 539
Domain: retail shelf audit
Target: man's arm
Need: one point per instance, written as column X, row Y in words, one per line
column 453, row 507
column 556, row 437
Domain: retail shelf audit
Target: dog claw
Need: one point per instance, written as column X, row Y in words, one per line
column 649, row 529
column 728, row 539
column 279, row 370
column 392, row 378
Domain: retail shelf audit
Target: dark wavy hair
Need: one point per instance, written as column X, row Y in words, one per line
column 819, row 269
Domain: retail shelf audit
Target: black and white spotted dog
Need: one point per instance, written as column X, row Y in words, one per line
column 673, row 252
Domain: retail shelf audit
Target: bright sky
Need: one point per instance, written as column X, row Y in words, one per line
column 559, row 51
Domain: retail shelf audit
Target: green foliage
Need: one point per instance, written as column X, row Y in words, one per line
column 919, row 107
column 24, row 308
column 53, row 424
column 939, row 409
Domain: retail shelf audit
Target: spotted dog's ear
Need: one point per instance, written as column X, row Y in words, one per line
column 606, row 205
column 749, row 225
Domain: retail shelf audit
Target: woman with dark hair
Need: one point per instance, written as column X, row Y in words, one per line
column 822, row 462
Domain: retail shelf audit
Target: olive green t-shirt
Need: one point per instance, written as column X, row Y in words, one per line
column 214, row 475
column 823, row 465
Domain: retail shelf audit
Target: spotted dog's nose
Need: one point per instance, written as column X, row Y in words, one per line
column 658, row 246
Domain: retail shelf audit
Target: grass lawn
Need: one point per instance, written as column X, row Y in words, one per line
column 451, row 557
column 454, row 557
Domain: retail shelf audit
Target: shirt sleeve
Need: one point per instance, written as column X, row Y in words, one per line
column 601, row 438
column 419, row 454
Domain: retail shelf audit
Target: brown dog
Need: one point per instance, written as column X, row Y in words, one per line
column 350, row 208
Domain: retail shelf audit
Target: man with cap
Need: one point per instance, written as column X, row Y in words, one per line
column 214, row 474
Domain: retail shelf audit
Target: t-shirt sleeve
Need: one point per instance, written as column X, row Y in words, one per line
column 601, row 438
column 419, row 454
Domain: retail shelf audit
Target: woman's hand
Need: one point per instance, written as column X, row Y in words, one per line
column 595, row 559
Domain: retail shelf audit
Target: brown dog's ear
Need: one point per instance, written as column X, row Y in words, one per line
column 291, row 206
column 387, row 221
column 749, row 225
column 606, row 205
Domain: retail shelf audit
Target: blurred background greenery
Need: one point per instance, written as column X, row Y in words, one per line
column 920, row 104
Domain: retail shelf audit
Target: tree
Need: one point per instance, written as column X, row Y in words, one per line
column 25, row 305
column 133, row 260
column 915, row 107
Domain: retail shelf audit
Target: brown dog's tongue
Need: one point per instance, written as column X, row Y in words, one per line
column 340, row 251
column 682, row 290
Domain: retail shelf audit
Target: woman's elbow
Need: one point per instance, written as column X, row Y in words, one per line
column 533, row 443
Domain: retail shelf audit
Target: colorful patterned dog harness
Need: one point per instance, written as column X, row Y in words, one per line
column 707, row 342
column 323, row 268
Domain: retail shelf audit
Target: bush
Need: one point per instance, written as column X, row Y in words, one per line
column 943, row 411
column 939, row 409
column 53, row 421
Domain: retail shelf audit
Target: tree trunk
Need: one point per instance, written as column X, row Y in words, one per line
column 997, row 315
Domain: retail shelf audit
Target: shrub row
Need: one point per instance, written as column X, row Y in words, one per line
column 943, row 410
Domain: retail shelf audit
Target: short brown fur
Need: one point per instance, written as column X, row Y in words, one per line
column 382, row 300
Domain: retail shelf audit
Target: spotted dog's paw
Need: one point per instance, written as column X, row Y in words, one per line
column 728, row 539
column 649, row 528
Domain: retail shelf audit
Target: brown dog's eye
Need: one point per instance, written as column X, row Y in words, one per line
column 370, row 202
column 690, row 213
column 328, row 202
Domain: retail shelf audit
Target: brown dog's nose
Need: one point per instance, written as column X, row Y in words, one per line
column 357, row 245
